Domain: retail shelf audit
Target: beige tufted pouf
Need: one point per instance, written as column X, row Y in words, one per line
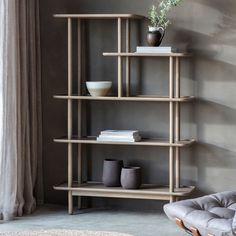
column 63, row 233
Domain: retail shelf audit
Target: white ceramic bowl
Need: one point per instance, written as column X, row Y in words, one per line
column 98, row 88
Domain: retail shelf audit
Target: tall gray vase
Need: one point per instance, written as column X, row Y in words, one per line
column 131, row 177
column 111, row 172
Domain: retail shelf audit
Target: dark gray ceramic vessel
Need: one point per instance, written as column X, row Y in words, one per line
column 154, row 38
column 131, row 177
column 111, row 172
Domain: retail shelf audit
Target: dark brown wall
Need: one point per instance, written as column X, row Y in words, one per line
column 208, row 28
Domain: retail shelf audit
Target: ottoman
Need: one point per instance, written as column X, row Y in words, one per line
column 212, row 215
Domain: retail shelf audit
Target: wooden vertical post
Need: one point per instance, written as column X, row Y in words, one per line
column 171, row 127
column 177, row 122
column 69, row 116
column 119, row 40
column 79, row 115
column 127, row 58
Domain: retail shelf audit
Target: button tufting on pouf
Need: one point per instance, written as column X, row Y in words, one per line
column 210, row 215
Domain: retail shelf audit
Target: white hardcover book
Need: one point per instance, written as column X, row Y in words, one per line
column 159, row 48
column 119, row 136
column 136, row 138
column 156, row 49
column 132, row 140
column 119, row 132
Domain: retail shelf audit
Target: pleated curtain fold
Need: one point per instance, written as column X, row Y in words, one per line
column 21, row 183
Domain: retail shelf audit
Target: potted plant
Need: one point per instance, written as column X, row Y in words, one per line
column 158, row 21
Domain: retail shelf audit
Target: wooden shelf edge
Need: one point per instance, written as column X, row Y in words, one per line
column 147, row 191
column 136, row 54
column 100, row 16
column 144, row 142
column 127, row 99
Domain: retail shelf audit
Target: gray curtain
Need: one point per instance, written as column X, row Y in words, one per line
column 22, row 107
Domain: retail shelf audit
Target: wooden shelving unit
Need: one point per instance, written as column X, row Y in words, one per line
column 174, row 190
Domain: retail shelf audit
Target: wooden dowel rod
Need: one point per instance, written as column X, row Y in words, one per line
column 127, row 58
column 172, row 199
column 171, row 169
column 79, row 56
column 119, row 40
column 79, row 111
column 171, row 95
column 70, row 198
column 177, row 167
column 119, row 33
column 171, row 125
column 69, row 56
column 177, row 95
column 177, row 122
column 69, row 118
column 177, row 77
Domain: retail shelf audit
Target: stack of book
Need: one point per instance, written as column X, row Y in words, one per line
column 156, row 50
column 119, row 136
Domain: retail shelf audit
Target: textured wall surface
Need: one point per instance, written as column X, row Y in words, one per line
column 208, row 28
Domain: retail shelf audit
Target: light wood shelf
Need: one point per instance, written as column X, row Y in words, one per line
column 99, row 16
column 147, row 191
column 143, row 142
column 128, row 99
column 136, row 54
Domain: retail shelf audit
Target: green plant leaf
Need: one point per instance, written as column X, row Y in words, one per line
column 158, row 15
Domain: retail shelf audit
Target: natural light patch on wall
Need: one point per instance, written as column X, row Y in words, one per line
column 217, row 92
column 205, row 26
column 219, row 179
column 225, row 53
column 217, row 133
column 196, row 21
column 215, row 35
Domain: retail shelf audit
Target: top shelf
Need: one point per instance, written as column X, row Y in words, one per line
column 100, row 16
column 136, row 54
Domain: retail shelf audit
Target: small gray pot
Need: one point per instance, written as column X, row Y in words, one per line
column 131, row 177
column 111, row 172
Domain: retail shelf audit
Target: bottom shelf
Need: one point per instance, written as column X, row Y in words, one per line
column 147, row 191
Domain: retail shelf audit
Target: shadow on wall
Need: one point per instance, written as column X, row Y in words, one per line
column 228, row 20
column 215, row 152
column 216, row 168
column 214, row 73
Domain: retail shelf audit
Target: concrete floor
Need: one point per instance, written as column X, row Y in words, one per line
column 137, row 223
